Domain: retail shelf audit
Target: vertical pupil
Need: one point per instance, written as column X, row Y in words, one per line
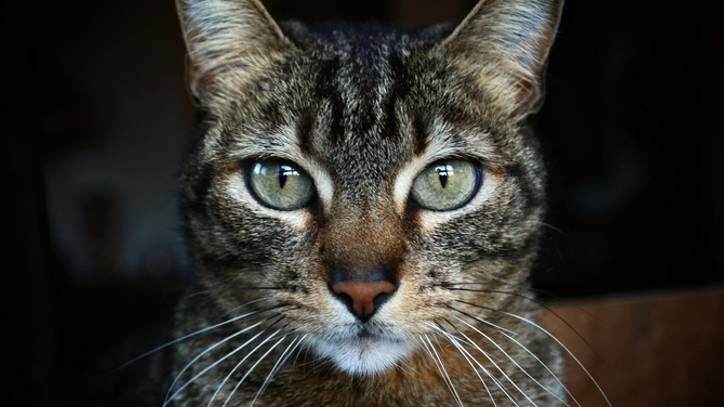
column 284, row 172
column 443, row 172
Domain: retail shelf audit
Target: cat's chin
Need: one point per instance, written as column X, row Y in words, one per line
column 363, row 356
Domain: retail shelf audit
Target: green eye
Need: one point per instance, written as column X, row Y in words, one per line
column 279, row 184
column 446, row 185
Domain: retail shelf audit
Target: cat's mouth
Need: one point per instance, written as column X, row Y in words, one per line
column 368, row 334
column 367, row 352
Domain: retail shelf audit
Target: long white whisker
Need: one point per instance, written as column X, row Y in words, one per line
column 590, row 376
column 211, row 366
column 244, row 359
column 444, row 370
column 515, row 385
column 490, row 359
column 475, row 318
column 515, row 363
column 248, row 372
column 463, row 353
column 299, row 352
column 503, row 332
column 427, row 350
column 198, row 332
column 277, row 366
column 207, row 350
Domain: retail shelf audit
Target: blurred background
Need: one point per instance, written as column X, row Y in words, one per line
column 95, row 123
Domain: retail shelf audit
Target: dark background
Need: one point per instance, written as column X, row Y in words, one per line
column 95, row 122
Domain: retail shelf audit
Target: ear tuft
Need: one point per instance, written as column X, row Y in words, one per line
column 504, row 45
column 222, row 35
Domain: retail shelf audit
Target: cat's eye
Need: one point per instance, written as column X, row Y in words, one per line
column 280, row 184
column 447, row 184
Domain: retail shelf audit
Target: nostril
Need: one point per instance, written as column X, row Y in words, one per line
column 381, row 299
column 345, row 298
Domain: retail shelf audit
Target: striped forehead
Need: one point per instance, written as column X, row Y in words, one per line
column 357, row 128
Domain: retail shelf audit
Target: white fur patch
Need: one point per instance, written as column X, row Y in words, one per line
column 363, row 356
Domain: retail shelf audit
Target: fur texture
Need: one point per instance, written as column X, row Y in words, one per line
column 363, row 110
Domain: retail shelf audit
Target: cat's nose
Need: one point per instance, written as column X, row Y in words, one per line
column 363, row 295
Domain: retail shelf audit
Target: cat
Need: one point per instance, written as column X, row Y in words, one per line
column 363, row 208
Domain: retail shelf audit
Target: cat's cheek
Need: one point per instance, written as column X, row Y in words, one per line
column 408, row 311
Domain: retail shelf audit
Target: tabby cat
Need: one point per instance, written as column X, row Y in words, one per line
column 363, row 207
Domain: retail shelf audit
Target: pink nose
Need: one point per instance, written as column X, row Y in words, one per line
column 363, row 298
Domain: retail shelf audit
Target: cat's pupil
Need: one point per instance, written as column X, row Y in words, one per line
column 443, row 172
column 284, row 172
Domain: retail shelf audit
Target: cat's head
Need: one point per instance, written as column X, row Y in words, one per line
column 373, row 183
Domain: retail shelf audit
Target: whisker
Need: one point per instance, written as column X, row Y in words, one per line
column 278, row 366
column 488, row 290
column 547, row 308
column 500, row 281
column 515, row 363
column 498, row 383
column 434, row 361
column 475, row 318
column 547, row 225
column 213, row 365
column 457, row 345
column 527, row 350
column 207, row 350
column 243, row 359
column 299, row 352
column 197, row 293
column 200, row 331
column 590, row 376
column 497, row 367
column 248, row 372
column 444, row 371
column 449, row 286
column 518, row 294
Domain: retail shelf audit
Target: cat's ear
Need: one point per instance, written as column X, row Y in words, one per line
column 227, row 35
column 504, row 45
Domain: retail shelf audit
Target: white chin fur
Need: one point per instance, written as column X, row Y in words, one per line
column 363, row 356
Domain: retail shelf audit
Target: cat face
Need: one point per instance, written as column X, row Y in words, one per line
column 366, row 183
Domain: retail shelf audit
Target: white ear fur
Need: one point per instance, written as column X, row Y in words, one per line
column 224, row 34
column 504, row 44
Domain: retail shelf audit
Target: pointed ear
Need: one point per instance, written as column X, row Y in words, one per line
column 226, row 35
column 504, row 45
